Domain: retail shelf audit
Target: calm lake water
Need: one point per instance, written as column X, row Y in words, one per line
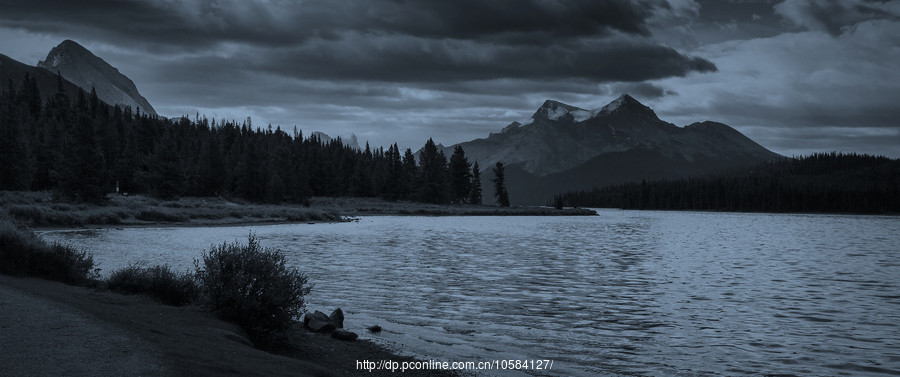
column 625, row 292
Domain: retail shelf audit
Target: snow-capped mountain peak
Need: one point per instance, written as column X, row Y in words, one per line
column 617, row 103
column 558, row 111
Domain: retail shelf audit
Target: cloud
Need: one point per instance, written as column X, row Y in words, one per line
column 642, row 91
column 835, row 16
column 281, row 23
column 684, row 8
column 467, row 19
column 385, row 40
column 806, row 83
column 412, row 59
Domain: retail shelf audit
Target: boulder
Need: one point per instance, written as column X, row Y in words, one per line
column 318, row 322
column 374, row 329
column 341, row 334
column 337, row 318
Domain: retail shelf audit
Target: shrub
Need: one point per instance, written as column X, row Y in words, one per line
column 159, row 282
column 23, row 253
column 155, row 215
column 103, row 218
column 30, row 214
column 252, row 286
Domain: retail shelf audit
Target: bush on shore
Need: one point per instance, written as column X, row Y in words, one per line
column 159, row 282
column 244, row 283
column 24, row 253
column 252, row 286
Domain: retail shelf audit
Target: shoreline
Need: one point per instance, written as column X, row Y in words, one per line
column 191, row 340
column 87, row 227
column 40, row 210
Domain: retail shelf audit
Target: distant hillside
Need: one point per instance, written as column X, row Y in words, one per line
column 835, row 183
column 563, row 147
column 348, row 140
column 86, row 70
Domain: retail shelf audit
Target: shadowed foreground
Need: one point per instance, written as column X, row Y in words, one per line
column 51, row 329
column 44, row 338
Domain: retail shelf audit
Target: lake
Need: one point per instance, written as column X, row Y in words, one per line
column 622, row 293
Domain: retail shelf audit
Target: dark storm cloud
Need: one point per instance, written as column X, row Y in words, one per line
column 193, row 23
column 387, row 40
column 465, row 19
column 402, row 59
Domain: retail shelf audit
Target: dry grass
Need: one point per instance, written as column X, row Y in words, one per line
column 42, row 209
column 371, row 206
column 23, row 253
column 160, row 282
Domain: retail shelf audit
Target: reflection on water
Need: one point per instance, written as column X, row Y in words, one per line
column 629, row 293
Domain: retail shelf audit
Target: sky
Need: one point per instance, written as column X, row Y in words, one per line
column 796, row 76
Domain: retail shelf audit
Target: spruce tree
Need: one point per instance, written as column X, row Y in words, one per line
column 475, row 194
column 410, row 178
column 500, row 186
column 393, row 181
column 82, row 173
column 434, row 186
column 16, row 159
column 166, row 177
column 460, row 176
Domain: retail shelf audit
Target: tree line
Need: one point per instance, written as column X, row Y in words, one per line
column 83, row 149
column 832, row 182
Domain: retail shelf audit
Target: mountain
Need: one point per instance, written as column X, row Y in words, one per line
column 564, row 147
column 13, row 70
column 348, row 140
column 78, row 65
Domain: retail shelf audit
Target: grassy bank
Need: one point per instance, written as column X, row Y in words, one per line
column 22, row 253
column 42, row 209
column 371, row 206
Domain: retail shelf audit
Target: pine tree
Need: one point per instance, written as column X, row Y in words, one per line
column 434, row 187
column 392, row 182
column 460, row 176
column 166, row 177
column 82, row 174
column 500, row 186
column 410, row 177
column 361, row 183
column 17, row 164
column 475, row 194
column 211, row 170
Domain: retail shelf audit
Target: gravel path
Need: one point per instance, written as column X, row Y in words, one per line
column 39, row 337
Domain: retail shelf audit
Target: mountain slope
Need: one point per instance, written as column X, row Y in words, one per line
column 563, row 147
column 78, row 65
column 13, row 70
column 560, row 137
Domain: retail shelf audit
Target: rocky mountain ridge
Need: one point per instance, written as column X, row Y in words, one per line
column 564, row 147
column 80, row 66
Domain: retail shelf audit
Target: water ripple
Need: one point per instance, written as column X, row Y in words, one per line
column 623, row 293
